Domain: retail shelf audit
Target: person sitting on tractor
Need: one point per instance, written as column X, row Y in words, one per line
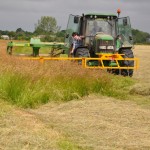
column 76, row 42
column 96, row 28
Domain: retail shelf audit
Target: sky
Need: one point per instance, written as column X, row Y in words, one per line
column 26, row 13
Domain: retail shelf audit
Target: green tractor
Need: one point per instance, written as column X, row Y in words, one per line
column 106, row 36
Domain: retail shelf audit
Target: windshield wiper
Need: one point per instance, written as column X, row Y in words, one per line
column 108, row 23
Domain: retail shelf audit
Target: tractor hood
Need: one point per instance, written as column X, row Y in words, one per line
column 104, row 43
column 103, row 36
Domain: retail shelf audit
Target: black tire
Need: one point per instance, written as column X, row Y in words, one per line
column 81, row 52
column 128, row 53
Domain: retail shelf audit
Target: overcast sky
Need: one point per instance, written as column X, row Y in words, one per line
column 25, row 13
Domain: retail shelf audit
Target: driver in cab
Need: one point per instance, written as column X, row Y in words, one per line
column 95, row 28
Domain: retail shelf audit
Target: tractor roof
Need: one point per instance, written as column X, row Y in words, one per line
column 100, row 15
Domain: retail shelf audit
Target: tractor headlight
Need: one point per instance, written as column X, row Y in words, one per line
column 110, row 47
column 102, row 47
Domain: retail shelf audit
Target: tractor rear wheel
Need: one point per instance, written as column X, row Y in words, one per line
column 128, row 53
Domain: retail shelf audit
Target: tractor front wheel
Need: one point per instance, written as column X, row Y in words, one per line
column 81, row 52
column 128, row 53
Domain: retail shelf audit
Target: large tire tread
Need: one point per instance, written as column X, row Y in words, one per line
column 128, row 53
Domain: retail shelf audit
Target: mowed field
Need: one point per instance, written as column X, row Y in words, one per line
column 143, row 53
column 92, row 123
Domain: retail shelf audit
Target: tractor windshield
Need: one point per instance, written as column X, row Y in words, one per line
column 100, row 25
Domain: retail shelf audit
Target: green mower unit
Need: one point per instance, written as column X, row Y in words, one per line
column 36, row 44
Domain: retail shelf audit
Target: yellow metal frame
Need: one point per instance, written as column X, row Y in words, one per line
column 111, row 57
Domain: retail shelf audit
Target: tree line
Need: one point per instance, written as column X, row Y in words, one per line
column 46, row 28
column 140, row 37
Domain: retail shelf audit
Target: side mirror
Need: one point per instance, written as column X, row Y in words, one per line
column 125, row 22
column 130, row 38
column 67, row 35
column 76, row 19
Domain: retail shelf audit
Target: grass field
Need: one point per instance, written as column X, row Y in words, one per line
column 94, row 122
